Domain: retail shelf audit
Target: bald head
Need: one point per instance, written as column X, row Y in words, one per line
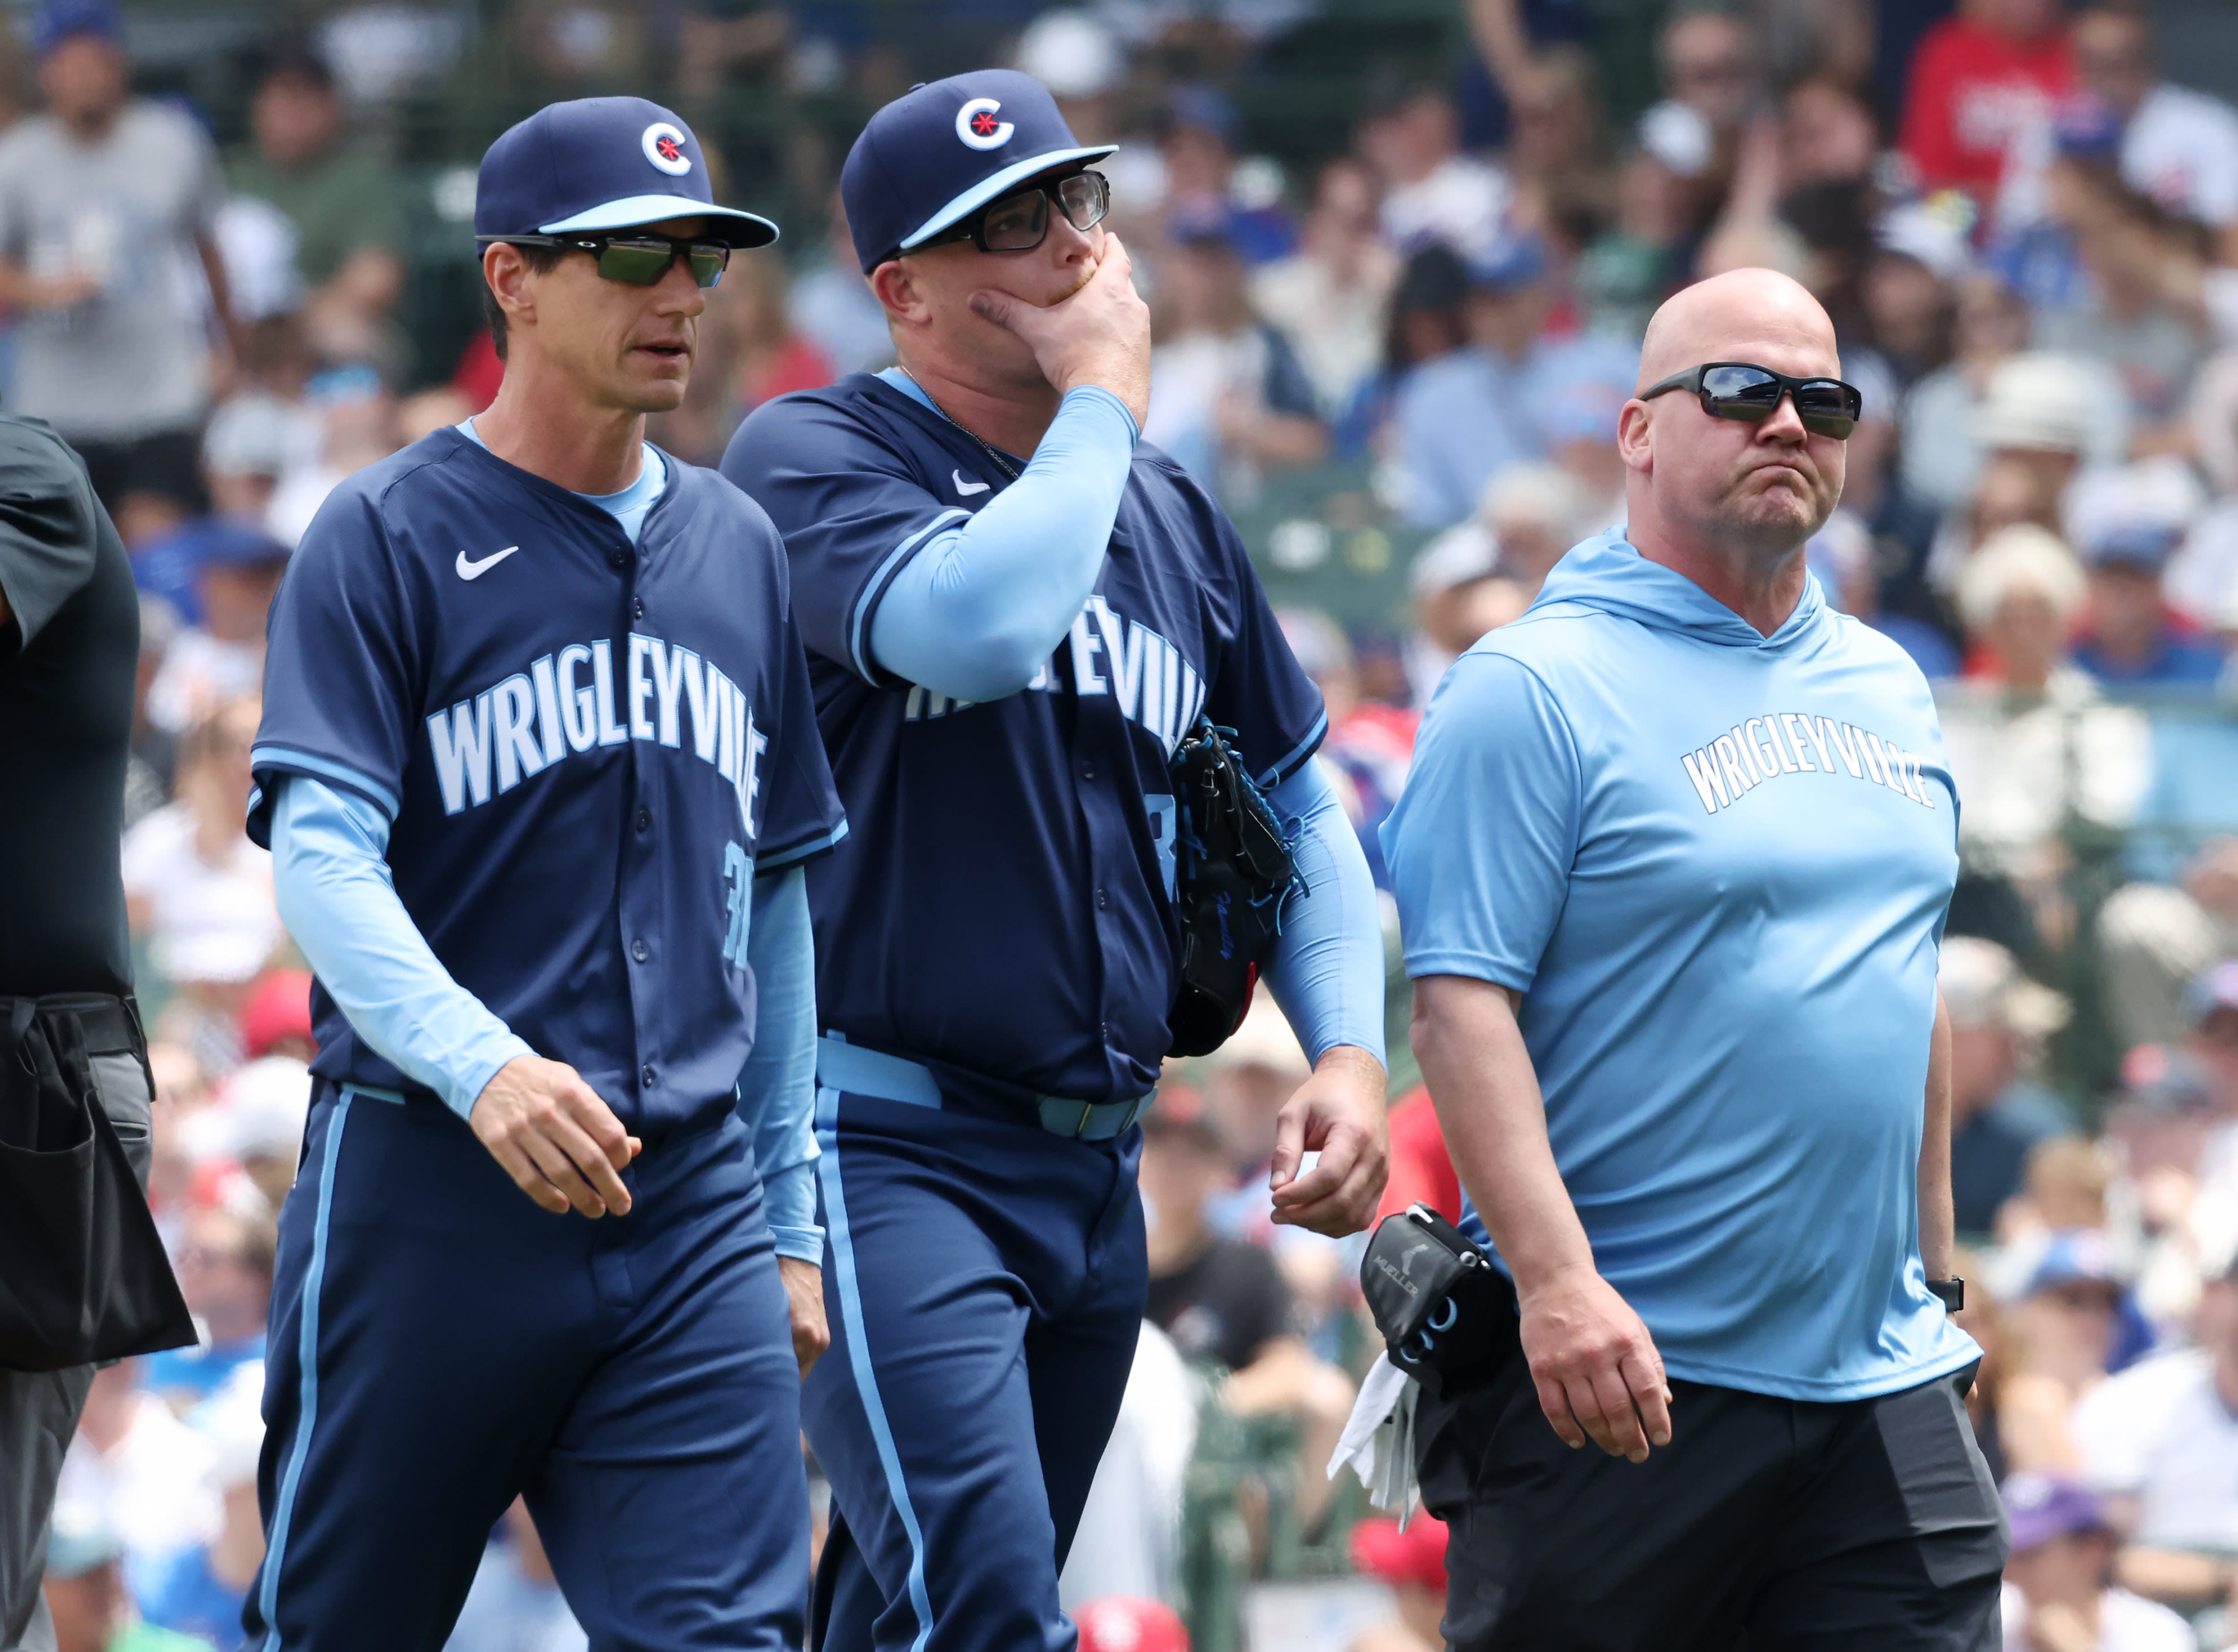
column 1756, row 315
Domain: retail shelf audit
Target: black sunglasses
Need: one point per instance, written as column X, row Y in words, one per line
column 1019, row 223
column 639, row 259
column 1742, row 390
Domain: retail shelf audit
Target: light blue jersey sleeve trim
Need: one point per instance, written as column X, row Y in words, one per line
column 777, row 860
column 330, row 876
column 1288, row 768
column 977, row 609
column 325, row 769
column 1326, row 969
column 878, row 588
column 777, row 1090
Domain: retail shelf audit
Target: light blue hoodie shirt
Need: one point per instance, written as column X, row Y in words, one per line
column 1716, row 865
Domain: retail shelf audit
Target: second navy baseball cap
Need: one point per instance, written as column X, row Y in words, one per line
column 600, row 163
column 944, row 151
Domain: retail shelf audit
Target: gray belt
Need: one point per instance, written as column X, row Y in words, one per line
column 851, row 1069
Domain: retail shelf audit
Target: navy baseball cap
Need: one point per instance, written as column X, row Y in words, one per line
column 598, row 163
column 941, row 151
column 61, row 20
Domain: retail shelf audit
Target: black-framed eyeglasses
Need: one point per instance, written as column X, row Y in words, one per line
column 1020, row 222
column 638, row 258
column 1745, row 391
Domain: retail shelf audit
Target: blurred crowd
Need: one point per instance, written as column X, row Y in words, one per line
column 2027, row 238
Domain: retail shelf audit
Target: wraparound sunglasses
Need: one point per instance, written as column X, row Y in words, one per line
column 1744, row 391
column 636, row 259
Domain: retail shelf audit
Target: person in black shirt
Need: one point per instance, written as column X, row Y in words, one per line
column 1224, row 1301
column 69, row 643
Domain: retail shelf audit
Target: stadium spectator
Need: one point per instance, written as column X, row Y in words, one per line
column 1843, row 556
column 357, row 417
column 1708, row 61
column 100, row 197
column 1631, row 266
column 1467, row 414
column 135, row 1468
column 2059, row 1594
column 2132, row 635
column 1939, row 461
column 1426, row 320
column 1128, row 1539
column 2178, row 146
column 1458, row 595
column 1228, row 400
column 1329, row 297
column 339, row 198
column 196, row 887
column 2156, row 939
column 1202, row 140
column 2160, row 1442
column 1980, row 81
column 93, row 1610
column 834, row 306
column 236, row 570
column 1368, row 745
column 199, row 1591
column 1226, row 1302
column 1564, row 176
column 1412, row 1563
column 1535, row 512
column 1432, row 190
column 255, row 1126
column 1827, row 135
column 225, row 1272
column 1999, row 1019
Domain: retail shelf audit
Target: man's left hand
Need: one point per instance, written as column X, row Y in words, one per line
column 803, row 1306
column 1337, row 1113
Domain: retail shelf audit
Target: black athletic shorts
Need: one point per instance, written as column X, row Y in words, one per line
column 1766, row 1525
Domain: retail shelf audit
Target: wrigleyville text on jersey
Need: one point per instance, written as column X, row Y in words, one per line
column 574, row 700
column 1153, row 685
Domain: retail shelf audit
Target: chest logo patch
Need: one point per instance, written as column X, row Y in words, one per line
column 967, row 489
column 476, row 570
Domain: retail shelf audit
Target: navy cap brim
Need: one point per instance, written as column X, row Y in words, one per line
column 737, row 228
column 1001, row 183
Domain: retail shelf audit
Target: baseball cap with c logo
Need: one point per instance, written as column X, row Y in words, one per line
column 941, row 151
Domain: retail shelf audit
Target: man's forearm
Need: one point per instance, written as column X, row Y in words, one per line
column 1486, row 1095
column 1937, row 1217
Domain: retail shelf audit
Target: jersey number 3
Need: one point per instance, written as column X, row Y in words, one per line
column 737, row 881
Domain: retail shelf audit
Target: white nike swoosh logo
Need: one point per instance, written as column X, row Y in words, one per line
column 968, row 488
column 476, row 570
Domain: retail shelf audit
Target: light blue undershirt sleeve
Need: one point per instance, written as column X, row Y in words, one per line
column 627, row 506
column 777, row 1090
column 330, row 876
column 977, row 610
column 1327, row 968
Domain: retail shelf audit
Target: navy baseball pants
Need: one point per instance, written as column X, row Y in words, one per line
column 984, row 1285
column 439, row 1344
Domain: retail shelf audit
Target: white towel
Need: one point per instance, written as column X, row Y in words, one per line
column 1379, row 1439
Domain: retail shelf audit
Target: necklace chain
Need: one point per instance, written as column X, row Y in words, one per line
column 1002, row 463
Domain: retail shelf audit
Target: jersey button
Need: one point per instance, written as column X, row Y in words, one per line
column 1088, row 769
column 644, row 820
column 645, row 1073
column 1102, row 899
column 619, row 559
column 640, row 951
column 637, row 607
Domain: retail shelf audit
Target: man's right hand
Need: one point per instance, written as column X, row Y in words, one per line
column 1098, row 334
column 561, row 1145
column 1595, row 1365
